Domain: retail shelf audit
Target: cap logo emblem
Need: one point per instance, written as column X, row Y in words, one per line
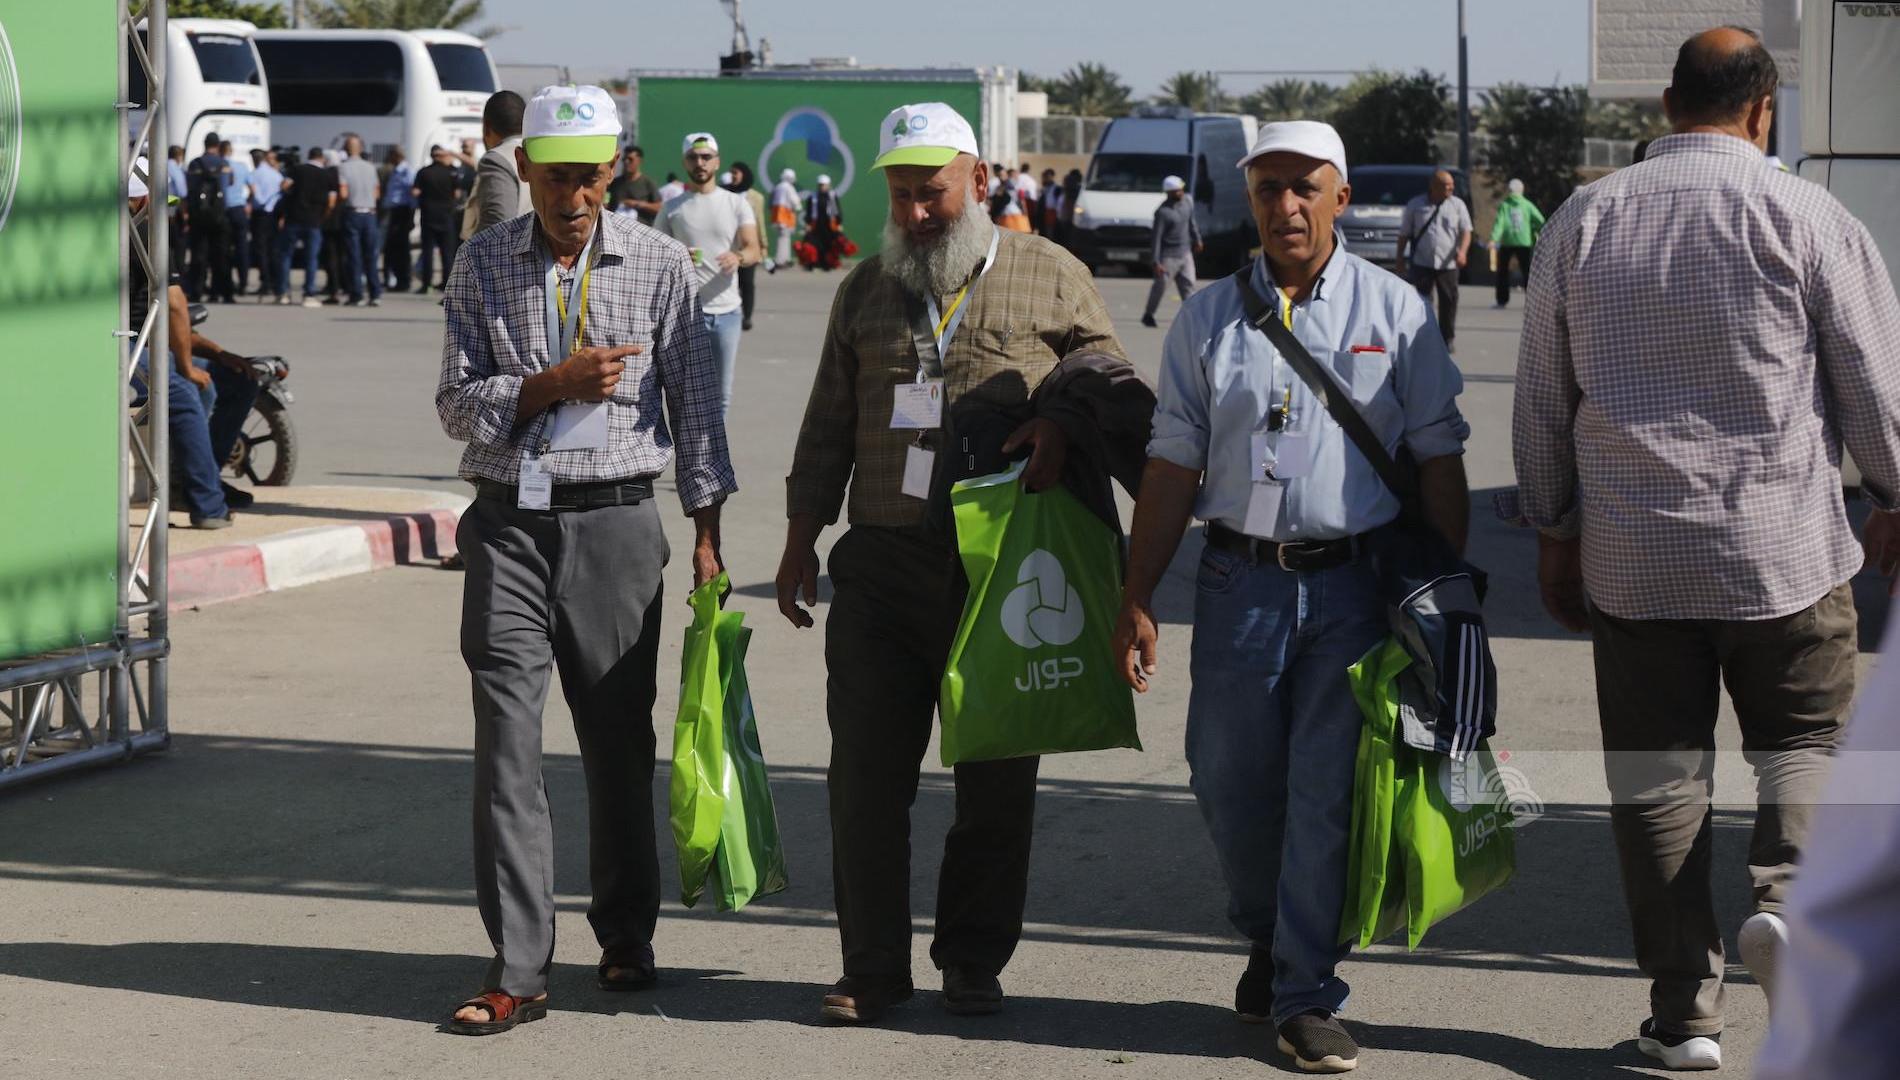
column 584, row 111
column 897, row 129
column 565, row 112
column 918, row 123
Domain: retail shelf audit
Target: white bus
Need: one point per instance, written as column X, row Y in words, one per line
column 395, row 88
column 213, row 83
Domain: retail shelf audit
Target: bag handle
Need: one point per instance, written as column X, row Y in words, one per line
column 1338, row 405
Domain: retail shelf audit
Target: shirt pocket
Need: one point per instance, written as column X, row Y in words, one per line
column 1003, row 363
column 1368, row 379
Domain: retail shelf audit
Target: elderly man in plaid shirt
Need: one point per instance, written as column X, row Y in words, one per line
column 1705, row 334
column 567, row 329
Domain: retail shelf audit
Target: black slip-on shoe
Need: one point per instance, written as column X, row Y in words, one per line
column 864, row 999
column 970, row 992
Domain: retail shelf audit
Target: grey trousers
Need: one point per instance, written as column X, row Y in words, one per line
column 1658, row 681
column 1180, row 271
column 579, row 590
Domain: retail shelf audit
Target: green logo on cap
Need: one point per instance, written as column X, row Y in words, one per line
column 898, row 129
column 565, row 112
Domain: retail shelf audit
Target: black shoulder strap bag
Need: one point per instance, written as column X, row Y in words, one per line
column 1448, row 697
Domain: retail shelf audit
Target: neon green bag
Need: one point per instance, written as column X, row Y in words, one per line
column 1030, row 669
column 1429, row 835
column 725, row 826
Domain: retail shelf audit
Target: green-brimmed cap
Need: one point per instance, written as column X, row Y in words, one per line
column 570, row 124
column 930, row 133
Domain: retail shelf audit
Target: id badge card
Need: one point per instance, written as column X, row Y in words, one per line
column 534, row 487
column 919, row 463
column 1263, row 509
column 918, row 405
column 579, row 425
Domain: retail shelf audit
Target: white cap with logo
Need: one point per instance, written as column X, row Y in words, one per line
column 1307, row 138
column 699, row 140
column 1173, row 183
column 928, row 133
column 570, row 124
column 823, row 180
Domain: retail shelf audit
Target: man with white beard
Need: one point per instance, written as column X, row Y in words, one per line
column 952, row 310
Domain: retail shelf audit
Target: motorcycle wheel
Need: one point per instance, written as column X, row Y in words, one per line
column 266, row 451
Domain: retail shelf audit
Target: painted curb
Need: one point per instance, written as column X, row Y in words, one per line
column 321, row 553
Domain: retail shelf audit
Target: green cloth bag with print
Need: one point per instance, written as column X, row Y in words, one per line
column 1429, row 835
column 725, row 827
column 1030, row 669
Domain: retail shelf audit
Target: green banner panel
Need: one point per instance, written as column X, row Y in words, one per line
column 811, row 125
column 59, row 309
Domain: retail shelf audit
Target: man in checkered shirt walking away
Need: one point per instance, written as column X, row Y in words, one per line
column 567, row 330
column 1705, row 334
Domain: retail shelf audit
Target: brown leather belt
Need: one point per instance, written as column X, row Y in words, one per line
column 576, row 496
column 1297, row 557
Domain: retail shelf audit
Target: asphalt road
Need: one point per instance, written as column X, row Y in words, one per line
column 287, row 894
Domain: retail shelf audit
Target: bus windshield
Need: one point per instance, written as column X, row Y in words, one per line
column 463, row 67
column 225, row 58
column 333, row 78
column 1136, row 172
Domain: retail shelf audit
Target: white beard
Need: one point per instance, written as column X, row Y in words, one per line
column 944, row 265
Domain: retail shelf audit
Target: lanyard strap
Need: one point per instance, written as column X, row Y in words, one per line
column 564, row 333
column 945, row 324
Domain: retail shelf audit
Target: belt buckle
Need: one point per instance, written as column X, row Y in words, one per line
column 1279, row 556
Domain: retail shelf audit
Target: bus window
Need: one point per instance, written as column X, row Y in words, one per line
column 333, row 78
column 462, row 67
column 223, row 58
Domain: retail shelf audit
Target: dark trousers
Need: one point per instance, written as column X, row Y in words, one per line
column 336, row 260
column 210, row 271
column 578, row 591
column 899, row 593
column 1445, row 284
column 238, row 219
column 361, row 237
column 1522, row 255
column 398, row 254
column 264, row 252
column 438, row 234
column 748, row 291
column 1658, row 688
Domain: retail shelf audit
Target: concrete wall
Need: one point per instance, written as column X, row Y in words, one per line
column 1633, row 42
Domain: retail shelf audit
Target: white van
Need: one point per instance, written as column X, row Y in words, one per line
column 213, row 84
column 396, row 88
column 1114, row 212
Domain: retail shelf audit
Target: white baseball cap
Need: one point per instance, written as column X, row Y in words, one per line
column 788, row 175
column 699, row 138
column 570, row 124
column 929, row 133
column 1173, row 183
column 1308, row 138
column 823, row 180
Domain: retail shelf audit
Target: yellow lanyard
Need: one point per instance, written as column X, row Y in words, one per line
column 580, row 323
column 951, row 311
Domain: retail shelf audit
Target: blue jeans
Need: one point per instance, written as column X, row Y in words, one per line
column 363, row 241
column 203, row 426
column 1272, row 734
column 312, row 238
column 725, row 330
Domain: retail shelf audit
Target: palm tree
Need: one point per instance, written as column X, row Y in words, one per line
column 399, row 15
column 1198, row 90
column 1089, row 89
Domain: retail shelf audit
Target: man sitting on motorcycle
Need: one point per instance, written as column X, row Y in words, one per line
column 209, row 389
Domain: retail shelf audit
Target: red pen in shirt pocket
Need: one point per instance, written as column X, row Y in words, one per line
column 1368, row 348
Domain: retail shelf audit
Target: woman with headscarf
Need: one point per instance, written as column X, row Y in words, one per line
column 741, row 182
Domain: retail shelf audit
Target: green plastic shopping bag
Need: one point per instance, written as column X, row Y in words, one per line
column 725, row 827
column 1030, row 669
column 1429, row 835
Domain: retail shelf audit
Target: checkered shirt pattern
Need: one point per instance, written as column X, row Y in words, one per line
column 643, row 291
column 1704, row 333
column 1035, row 306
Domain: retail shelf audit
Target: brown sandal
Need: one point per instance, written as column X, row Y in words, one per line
column 505, row 1011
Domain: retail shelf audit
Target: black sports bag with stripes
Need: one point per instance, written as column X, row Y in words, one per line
column 1448, row 698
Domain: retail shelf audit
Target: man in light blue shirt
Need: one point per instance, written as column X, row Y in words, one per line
column 1285, row 600
column 267, row 188
column 237, row 210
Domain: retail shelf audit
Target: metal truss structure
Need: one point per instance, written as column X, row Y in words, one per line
column 106, row 702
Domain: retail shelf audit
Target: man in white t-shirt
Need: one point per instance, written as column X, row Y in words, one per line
column 721, row 231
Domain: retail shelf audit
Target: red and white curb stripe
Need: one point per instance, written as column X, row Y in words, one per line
column 321, row 553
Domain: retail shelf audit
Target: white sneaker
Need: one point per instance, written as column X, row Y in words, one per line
column 1761, row 941
column 1682, row 1053
column 312, row 302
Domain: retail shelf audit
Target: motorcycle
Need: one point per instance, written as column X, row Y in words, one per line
column 266, row 450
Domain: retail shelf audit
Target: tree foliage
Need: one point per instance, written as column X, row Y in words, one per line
column 267, row 15
column 399, row 15
column 1390, row 118
column 1292, row 99
column 1631, row 120
column 1197, row 90
column 1537, row 136
column 1088, row 89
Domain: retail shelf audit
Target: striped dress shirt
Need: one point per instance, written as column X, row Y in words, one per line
column 1704, row 333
